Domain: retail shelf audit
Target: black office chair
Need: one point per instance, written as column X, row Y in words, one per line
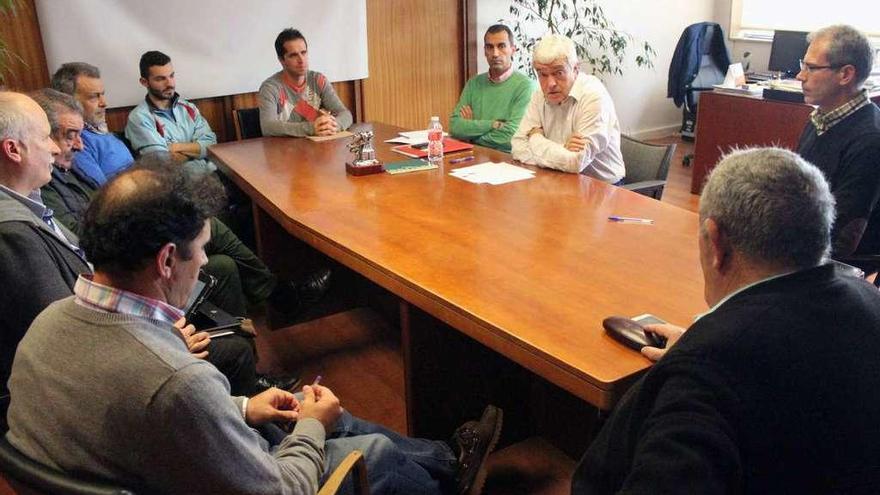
column 20, row 469
column 700, row 60
column 247, row 123
column 647, row 165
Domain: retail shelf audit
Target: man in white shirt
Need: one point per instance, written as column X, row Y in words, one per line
column 571, row 124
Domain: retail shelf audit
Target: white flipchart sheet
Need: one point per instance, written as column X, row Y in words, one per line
column 218, row 47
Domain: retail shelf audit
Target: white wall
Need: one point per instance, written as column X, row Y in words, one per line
column 640, row 94
column 227, row 50
column 759, row 50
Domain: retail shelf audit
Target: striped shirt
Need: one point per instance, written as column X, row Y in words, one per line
column 824, row 121
column 110, row 300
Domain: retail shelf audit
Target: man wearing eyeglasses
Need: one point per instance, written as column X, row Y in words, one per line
column 843, row 135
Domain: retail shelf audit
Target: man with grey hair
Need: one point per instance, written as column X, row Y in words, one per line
column 843, row 135
column 774, row 389
column 571, row 124
column 39, row 257
column 103, row 154
column 69, row 192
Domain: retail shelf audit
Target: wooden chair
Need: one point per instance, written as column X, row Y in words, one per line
column 354, row 463
column 647, row 165
column 247, row 123
column 28, row 477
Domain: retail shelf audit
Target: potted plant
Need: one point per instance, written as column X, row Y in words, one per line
column 597, row 41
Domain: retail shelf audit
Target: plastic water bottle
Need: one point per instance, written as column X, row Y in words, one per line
column 435, row 140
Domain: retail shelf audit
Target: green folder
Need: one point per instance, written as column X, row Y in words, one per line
column 405, row 166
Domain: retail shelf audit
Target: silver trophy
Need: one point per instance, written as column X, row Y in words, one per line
column 365, row 161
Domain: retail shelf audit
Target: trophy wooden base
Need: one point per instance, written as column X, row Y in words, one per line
column 375, row 168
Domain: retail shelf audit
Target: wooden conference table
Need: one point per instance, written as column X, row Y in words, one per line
column 528, row 269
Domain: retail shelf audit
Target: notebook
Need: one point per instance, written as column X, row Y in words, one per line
column 413, row 165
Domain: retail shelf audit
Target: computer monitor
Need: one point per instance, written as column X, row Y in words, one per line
column 788, row 47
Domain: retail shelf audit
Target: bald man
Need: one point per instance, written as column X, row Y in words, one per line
column 39, row 257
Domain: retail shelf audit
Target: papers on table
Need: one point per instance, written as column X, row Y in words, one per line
column 412, row 137
column 735, row 76
column 735, row 83
column 492, row 173
column 787, row 85
column 744, row 90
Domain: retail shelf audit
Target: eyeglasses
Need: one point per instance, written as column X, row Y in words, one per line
column 805, row 67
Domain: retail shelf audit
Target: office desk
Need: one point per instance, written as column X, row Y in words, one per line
column 528, row 269
column 726, row 121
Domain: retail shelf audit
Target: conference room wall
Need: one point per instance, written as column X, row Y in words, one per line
column 416, row 60
column 640, row 94
column 759, row 50
column 404, row 87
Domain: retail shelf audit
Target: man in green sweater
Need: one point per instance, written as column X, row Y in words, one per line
column 492, row 104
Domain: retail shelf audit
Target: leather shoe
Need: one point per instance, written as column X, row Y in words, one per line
column 291, row 299
column 314, row 286
column 475, row 440
column 284, row 382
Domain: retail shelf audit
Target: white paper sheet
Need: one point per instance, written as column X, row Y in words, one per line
column 492, row 173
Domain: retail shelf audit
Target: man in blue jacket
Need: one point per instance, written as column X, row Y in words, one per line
column 166, row 122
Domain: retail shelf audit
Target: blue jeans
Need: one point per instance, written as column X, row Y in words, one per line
column 395, row 463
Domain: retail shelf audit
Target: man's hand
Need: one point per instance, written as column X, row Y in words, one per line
column 466, row 112
column 320, row 403
column 247, row 326
column 535, row 130
column 196, row 342
column 576, row 143
column 184, row 151
column 326, row 124
column 672, row 334
column 179, row 157
column 272, row 405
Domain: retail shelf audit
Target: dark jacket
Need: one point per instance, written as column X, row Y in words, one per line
column 68, row 194
column 687, row 56
column 36, row 268
column 776, row 391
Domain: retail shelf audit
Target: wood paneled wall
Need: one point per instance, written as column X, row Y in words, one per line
column 418, row 53
column 27, row 62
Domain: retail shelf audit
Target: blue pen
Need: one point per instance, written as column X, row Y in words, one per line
column 462, row 159
column 615, row 218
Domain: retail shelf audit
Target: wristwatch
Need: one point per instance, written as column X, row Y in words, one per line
column 498, row 124
column 534, row 130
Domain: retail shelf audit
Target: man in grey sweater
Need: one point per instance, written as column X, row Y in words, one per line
column 296, row 101
column 128, row 403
